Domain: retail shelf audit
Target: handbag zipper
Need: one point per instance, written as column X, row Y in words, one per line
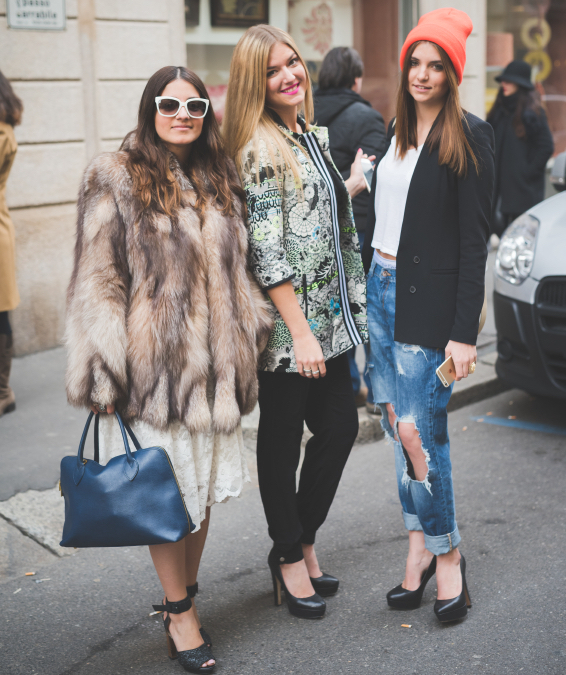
column 305, row 296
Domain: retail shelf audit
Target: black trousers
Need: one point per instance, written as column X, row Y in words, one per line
column 327, row 405
column 5, row 328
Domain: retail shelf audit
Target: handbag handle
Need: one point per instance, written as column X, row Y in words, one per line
column 131, row 466
column 96, row 442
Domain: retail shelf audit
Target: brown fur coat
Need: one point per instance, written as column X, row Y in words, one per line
column 159, row 308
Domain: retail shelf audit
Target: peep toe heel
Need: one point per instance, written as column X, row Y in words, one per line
column 456, row 608
column 190, row 659
column 401, row 598
column 312, row 607
column 191, row 592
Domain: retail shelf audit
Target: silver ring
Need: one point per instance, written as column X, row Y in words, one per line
column 307, row 370
column 102, row 408
column 315, row 372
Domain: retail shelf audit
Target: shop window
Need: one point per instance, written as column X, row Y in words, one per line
column 534, row 31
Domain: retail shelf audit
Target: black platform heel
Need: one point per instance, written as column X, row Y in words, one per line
column 455, row 608
column 190, row 659
column 325, row 585
column 192, row 591
column 401, row 598
column 312, row 607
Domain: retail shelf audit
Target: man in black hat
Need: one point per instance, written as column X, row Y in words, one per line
column 523, row 145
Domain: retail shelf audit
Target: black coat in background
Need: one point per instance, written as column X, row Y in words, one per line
column 443, row 247
column 520, row 162
column 352, row 123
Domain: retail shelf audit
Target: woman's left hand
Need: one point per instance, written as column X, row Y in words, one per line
column 463, row 356
column 356, row 183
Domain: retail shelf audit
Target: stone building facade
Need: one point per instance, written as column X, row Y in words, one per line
column 81, row 87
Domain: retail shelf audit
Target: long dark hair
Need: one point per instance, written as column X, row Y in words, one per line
column 526, row 100
column 11, row 107
column 448, row 133
column 209, row 169
column 340, row 68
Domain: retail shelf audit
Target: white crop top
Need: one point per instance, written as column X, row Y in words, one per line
column 392, row 186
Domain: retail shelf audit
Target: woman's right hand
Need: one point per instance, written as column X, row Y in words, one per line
column 109, row 409
column 309, row 357
column 356, row 183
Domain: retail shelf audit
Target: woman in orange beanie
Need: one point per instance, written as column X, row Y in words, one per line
column 425, row 252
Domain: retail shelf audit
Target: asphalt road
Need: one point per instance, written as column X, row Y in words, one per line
column 92, row 615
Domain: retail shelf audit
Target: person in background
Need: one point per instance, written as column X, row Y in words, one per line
column 11, row 109
column 352, row 123
column 523, row 145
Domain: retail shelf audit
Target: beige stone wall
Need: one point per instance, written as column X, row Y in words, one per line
column 472, row 89
column 81, row 89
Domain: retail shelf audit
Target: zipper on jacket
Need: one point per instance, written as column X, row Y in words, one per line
column 305, row 296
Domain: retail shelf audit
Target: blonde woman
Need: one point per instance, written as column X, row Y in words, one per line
column 305, row 256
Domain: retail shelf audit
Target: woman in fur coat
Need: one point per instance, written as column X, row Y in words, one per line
column 164, row 323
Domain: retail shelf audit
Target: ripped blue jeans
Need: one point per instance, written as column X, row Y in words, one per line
column 405, row 376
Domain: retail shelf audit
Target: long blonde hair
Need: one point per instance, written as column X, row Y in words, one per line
column 448, row 134
column 246, row 115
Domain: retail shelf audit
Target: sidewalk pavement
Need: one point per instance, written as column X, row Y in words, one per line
column 88, row 613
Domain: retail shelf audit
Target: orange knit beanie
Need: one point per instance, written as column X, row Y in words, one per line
column 446, row 27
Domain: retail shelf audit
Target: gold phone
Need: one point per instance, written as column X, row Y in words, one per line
column 446, row 372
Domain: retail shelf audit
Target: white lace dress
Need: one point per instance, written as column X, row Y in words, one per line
column 210, row 467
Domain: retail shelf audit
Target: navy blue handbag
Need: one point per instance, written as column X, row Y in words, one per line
column 132, row 501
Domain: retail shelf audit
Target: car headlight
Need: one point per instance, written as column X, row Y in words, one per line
column 516, row 250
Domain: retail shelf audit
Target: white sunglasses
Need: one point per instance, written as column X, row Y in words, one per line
column 169, row 106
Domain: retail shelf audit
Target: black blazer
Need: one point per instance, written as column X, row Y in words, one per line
column 443, row 246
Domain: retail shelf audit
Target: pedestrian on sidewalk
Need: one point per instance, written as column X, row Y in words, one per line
column 352, row 124
column 425, row 254
column 11, row 109
column 163, row 322
column 523, row 145
column 305, row 256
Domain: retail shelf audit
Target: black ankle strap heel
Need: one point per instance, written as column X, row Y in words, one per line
column 190, row 659
column 191, row 592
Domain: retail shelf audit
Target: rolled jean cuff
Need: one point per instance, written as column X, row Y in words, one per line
column 412, row 522
column 444, row 543
column 286, row 554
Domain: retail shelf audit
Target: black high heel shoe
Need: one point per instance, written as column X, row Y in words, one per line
column 455, row 608
column 401, row 598
column 190, row 659
column 325, row 585
column 191, row 592
column 312, row 607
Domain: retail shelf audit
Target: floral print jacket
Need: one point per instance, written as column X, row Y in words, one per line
column 292, row 237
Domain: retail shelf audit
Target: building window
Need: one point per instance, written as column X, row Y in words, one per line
column 534, row 31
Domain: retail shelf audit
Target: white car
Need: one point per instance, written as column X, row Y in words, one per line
column 530, row 299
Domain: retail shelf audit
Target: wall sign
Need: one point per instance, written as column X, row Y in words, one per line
column 36, row 14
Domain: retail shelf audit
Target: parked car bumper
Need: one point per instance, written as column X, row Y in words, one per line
column 531, row 337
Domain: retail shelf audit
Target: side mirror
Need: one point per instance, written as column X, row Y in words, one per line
column 558, row 173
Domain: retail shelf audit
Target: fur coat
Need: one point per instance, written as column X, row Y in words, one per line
column 159, row 309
